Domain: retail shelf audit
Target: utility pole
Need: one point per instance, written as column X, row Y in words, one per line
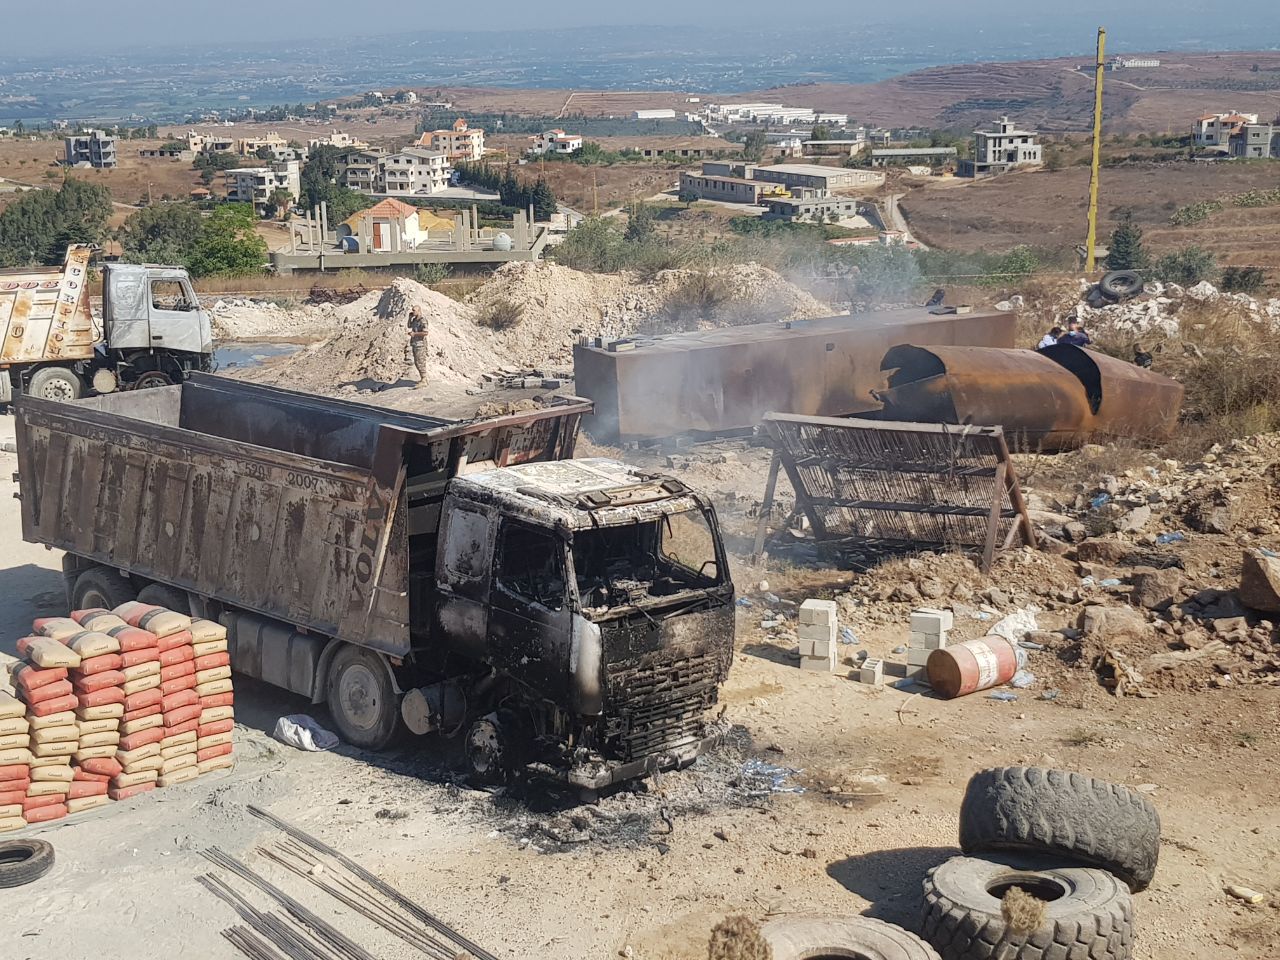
column 1091, row 260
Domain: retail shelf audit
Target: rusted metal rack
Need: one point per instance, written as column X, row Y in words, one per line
column 871, row 487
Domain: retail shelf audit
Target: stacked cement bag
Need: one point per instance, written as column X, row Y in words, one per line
column 15, row 761
column 99, row 687
column 217, row 699
column 42, row 682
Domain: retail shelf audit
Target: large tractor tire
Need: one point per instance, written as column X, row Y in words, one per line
column 864, row 938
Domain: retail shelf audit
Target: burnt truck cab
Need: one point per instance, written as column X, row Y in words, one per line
column 599, row 598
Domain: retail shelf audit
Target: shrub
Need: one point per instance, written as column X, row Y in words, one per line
column 500, row 314
column 1243, row 279
column 1187, row 266
column 428, row 274
column 1194, row 213
column 697, row 297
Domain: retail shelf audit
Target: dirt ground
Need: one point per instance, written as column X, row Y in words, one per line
column 877, row 774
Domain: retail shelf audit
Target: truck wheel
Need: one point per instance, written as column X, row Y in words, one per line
column 152, row 378
column 362, row 699
column 486, row 748
column 1069, row 815
column 101, row 587
column 1087, row 914
column 171, row 598
column 795, row 938
column 55, row 383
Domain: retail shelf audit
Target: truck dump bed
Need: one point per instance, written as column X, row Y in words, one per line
column 44, row 313
column 294, row 506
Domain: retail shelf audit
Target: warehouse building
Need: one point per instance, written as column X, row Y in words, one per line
column 727, row 189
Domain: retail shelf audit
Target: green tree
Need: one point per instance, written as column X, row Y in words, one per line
column 1243, row 279
column 1187, row 266
column 820, row 131
column 687, row 196
column 279, row 202
column 19, row 128
column 753, row 145
column 264, row 153
column 39, row 225
column 228, row 244
column 163, row 233
column 543, row 200
column 1126, row 250
column 640, row 224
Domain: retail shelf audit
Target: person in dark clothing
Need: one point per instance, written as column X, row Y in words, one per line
column 1075, row 335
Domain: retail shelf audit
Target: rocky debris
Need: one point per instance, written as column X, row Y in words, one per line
column 1157, row 589
column 1260, row 581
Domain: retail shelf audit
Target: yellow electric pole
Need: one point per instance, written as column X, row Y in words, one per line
column 1091, row 260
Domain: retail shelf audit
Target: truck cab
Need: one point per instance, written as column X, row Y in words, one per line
column 599, row 595
column 153, row 308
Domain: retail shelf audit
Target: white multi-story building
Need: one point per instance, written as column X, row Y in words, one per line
column 1001, row 148
column 414, row 171
column 337, row 139
column 1133, row 63
column 554, row 141
column 255, row 185
column 94, row 148
column 460, row 142
column 1217, row 129
column 775, row 113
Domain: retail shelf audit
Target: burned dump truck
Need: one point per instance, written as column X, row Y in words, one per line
column 1050, row 399
column 571, row 618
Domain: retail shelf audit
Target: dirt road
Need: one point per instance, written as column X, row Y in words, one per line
column 881, row 775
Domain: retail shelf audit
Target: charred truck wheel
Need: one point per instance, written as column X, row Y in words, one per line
column 55, row 383
column 152, row 378
column 488, row 754
column 101, row 587
column 362, row 698
column 171, row 598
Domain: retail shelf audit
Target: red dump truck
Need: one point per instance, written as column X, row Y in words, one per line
column 573, row 618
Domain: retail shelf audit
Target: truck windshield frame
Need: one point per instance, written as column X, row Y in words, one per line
column 618, row 568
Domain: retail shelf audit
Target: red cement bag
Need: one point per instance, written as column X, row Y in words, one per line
column 174, row 671
column 178, row 683
column 143, row 698
column 45, row 814
column 176, row 641
column 183, row 698
column 175, row 655
column 109, row 767
column 135, row 657
column 101, row 697
column 132, row 611
column 81, row 775
column 219, row 700
column 15, row 795
column 80, row 616
column 86, row 788
column 182, row 715
column 208, row 753
column 100, row 664
column 211, row 660
column 142, row 738
column 47, row 707
column 14, row 771
column 149, row 711
column 187, row 726
column 218, row 726
column 132, row 639
column 35, row 803
column 98, row 681
column 124, row 793
column 50, row 691
column 33, row 678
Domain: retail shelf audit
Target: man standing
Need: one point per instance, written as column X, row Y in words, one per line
column 1076, row 335
column 418, row 344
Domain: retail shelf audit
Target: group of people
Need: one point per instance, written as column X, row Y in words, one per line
column 1074, row 335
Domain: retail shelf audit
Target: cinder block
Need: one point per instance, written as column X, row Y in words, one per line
column 931, row 620
column 819, row 664
column 818, row 648
column 818, row 611
column 917, row 657
column 927, row 641
column 816, row 631
column 872, row 672
column 917, row 674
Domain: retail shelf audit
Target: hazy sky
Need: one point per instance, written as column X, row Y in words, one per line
column 112, row 27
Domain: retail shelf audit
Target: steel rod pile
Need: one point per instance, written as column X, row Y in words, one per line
column 413, row 909
column 296, row 945
column 250, row 944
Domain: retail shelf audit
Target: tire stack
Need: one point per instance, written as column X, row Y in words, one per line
column 1079, row 846
column 42, row 682
column 217, row 698
column 15, row 761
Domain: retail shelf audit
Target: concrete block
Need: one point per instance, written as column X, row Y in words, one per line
column 917, row 674
column 917, row 657
column 927, row 641
column 819, row 664
column 816, row 631
column 818, row 611
column 931, row 620
column 818, row 648
column 872, row 672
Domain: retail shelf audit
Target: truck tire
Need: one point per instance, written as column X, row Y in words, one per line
column 362, row 699
column 22, row 861
column 152, row 378
column 797, row 938
column 162, row 595
column 55, row 383
column 1069, row 815
column 101, row 587
column 1120, row 285
column 1088, row 913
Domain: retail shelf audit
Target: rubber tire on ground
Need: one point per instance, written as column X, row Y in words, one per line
column 1092, row 920
column 1070, row 815
column 375, row 697
column 162, row 595
column 101, row 587
column 68, row 385
column 1120, row 285
column 864, row 938
column 22, row 861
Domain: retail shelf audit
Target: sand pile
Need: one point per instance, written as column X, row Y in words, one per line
column 240, row 319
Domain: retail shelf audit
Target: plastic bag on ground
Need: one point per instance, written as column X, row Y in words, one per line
column 302, row 732
column 1016, row 625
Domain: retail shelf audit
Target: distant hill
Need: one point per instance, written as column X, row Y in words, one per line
column 1055, row 95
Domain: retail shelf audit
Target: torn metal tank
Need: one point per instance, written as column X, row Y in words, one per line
column 1050, row 399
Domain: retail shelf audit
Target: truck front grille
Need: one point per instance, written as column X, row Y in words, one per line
column 655, row 706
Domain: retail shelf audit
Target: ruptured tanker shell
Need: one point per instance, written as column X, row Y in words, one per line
column 1051, row 399
column 723, row 380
